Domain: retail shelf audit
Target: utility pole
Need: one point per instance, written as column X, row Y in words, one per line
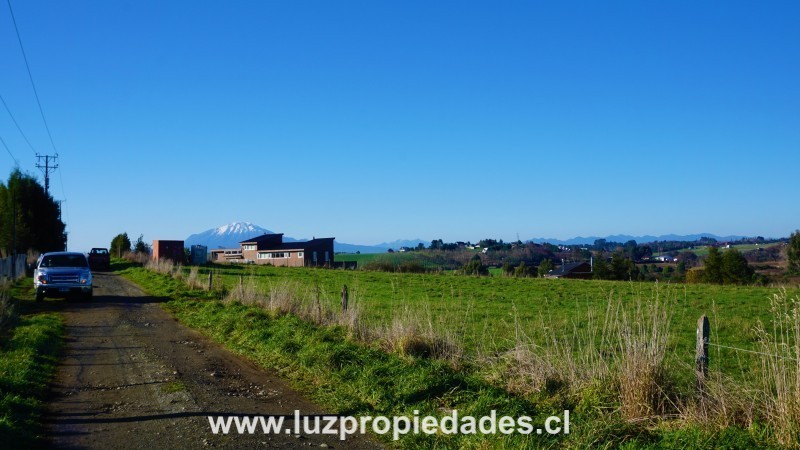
column 49, row 166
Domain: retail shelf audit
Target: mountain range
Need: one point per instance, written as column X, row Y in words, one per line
column 230, row 235
column 639, row 239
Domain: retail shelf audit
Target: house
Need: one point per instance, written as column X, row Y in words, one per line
column 169, row 250
column 581, row 270
column 270, row 249
column 227, row 255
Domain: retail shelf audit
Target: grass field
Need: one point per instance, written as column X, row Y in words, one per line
column 488, row 313
column 425, row 260
column 702, row 251
column 491, row 316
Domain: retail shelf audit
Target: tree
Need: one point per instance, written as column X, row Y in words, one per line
column 600, row 271
column 522, row 270
column 29, row 217
column 793, row 254
column 712, row 267
column 622, row 268
column 545, row 267
column 120, row 245
column 475, row 267
column 140, row 246
column 735, row 269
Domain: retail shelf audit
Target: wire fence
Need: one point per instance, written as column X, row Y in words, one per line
column 751, row 351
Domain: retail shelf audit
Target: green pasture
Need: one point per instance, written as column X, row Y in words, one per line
column 702, row 251
column 489, row 314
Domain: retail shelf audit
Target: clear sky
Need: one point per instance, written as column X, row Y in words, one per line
column 374, row 120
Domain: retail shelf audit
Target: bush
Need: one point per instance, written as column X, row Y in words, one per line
column 475, row 267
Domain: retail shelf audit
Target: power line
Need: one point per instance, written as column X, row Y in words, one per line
column 9, row 151
column 30, row 76
column 15, row 123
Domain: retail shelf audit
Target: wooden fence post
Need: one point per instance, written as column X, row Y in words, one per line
column 209, row 281
column 344, row 298
column 701, row 352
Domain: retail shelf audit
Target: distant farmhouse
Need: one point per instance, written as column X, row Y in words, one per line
column 270, row 249
column 580, row 270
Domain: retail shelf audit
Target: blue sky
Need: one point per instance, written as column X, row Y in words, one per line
column 372, row 121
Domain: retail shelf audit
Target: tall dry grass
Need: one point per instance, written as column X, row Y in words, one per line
column 163, row 266
column 415, row 332
column 622, row 348
column 139, row 258
column 779, row 355
column 411, row 333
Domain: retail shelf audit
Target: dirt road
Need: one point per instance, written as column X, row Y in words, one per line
column 132, row 377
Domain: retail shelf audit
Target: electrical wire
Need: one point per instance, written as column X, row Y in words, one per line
column 17, row 124
column 9, row 151
column 30, row 76
column 38, row 101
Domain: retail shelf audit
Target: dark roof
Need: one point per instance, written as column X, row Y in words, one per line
column 299, row 245
column 569, row 268
column 262, row 238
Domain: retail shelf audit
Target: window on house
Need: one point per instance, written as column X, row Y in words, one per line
column 327, row 257
column 299, row 254
column 314, row 256
column 275, row 255
column 249, row 247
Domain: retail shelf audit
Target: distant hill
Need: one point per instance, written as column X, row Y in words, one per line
column 639, row 239
column 340, row 247
column 413, row 243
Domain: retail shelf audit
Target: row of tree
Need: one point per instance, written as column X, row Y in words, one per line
column 121, row 244
column 29, row 217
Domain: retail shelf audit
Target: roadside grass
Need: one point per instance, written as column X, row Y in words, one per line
column 29, row 347
column 354, row 375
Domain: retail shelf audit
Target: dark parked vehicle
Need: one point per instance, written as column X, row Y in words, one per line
column 99, row 259
column 61, row 274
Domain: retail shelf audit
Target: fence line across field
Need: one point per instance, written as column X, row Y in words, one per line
column 752, row 351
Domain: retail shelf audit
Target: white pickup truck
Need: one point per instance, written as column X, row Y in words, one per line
column 62, row 274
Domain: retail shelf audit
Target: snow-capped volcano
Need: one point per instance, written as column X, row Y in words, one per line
column 239, row 228
column 226, row 236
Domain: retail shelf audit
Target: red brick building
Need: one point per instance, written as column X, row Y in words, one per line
column 169, row 250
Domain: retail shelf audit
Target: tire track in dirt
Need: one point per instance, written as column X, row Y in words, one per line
column 130, row 376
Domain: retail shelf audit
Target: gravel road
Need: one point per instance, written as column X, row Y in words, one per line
column 130, row 376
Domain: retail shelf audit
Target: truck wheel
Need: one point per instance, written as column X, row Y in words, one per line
column 87, row 297
column 39, row 296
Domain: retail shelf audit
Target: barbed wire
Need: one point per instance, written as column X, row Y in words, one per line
column 752, row 351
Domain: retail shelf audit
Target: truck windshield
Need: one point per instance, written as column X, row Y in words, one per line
column 64, row 261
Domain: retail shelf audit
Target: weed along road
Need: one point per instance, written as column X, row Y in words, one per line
column 132, row 377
